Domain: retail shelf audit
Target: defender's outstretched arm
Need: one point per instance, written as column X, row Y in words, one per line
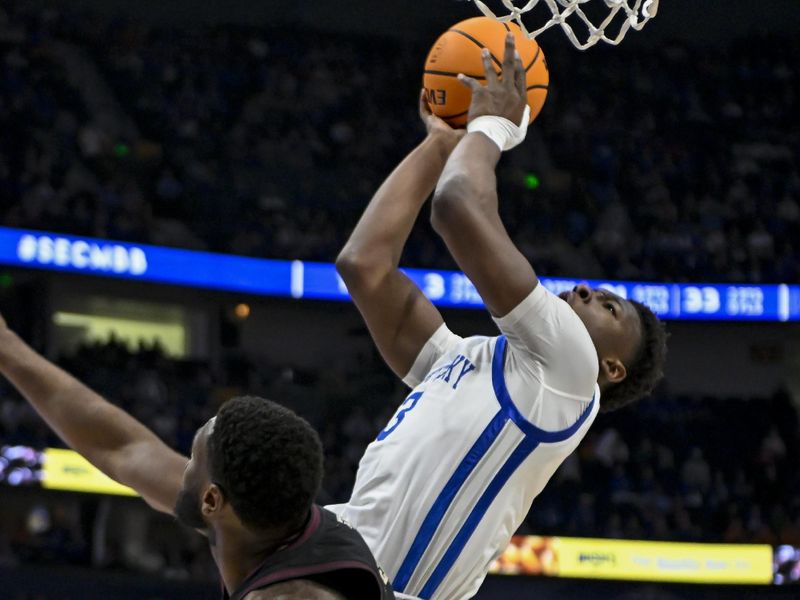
column 465, row 211
column 109, row 438
column 399, row 316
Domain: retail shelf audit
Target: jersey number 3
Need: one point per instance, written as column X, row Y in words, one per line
column 406, row 407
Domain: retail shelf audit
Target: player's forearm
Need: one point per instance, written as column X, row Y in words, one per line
column 377, row 241
column 468, row 183
column 84, row 420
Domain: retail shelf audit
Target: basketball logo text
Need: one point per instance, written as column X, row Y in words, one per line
column 436, row 97
column 455, row 370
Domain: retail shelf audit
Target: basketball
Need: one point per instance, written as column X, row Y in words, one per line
column 458, row 50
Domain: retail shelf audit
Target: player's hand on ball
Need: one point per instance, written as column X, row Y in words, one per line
column 434, row 125
column 504, row 95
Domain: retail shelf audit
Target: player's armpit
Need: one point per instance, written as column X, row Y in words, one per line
column 151, row 468
column 299, row 589
column 441, row 342
column 465, row 216
column 399, row 316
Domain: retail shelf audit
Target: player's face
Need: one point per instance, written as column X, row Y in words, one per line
column 613, row 324
column 195, row 480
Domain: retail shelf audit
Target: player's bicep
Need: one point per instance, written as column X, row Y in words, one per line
column 153, row 469
column 399, row 317
column 480, row 244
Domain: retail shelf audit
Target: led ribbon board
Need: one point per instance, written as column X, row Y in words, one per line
column 68, row 471
column 637, row 560
column 296, row 279
column 55, row 469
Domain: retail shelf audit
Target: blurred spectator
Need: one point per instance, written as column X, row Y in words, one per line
column 660, row 163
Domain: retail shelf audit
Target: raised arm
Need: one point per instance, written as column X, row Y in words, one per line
column 399, row 316
column 105, row 435
column 465, row 211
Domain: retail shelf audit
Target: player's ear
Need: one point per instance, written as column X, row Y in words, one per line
column 613, row 369
column 213, row 500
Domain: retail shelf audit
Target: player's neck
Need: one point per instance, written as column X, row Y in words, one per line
column 239, row 552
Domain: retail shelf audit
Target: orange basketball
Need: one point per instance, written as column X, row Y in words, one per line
column 458, row 50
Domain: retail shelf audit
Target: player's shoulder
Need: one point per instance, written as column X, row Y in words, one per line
column 546, row 314
column 297, row 589
column 328, row 548
column 477, row 348
column 548, row 341
column 445, row 345
column 537, row 306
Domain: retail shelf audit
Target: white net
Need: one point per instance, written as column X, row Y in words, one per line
column 567, row 12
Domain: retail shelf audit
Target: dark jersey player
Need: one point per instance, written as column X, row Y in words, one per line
column 327, row 553
column 249, row 485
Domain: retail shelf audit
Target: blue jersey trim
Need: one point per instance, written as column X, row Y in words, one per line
column 533, row 437
column 437, row 511
column 521, row 452
column 508, row 406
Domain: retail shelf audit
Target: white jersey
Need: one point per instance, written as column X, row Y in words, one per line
column 446, row 484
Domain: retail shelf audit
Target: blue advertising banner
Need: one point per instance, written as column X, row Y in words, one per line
column 296, row 279
column 88, row 256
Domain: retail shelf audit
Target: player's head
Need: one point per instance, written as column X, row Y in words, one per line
column 631, row 343
column 256, row 463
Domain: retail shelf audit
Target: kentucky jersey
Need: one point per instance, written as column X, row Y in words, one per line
column 445, row 485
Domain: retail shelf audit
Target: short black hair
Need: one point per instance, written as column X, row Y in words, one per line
column 267, row 461
column 647, row 367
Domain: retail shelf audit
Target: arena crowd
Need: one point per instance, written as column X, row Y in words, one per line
column 659, row 163
column 665, row 163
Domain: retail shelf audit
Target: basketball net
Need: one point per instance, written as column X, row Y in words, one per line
column 636, row 12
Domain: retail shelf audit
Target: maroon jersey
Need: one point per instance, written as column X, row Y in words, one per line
column 328, row 552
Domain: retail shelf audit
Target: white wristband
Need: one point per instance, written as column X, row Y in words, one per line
column 500, row 130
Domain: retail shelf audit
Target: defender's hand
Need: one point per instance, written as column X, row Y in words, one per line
column 436, row 126
column 503, row 96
